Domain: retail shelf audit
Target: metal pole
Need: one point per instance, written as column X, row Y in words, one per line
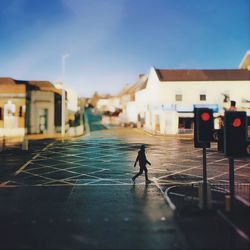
column 63, row 99
column 63, row 96
column 204, row 177
column 231, row 180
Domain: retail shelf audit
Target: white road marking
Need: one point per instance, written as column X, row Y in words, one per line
column 33, row 158
column 178, row 172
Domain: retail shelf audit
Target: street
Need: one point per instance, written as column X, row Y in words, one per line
column 78, row 194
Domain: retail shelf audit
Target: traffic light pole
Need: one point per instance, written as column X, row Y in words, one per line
column 231, row 180
column 204, row 177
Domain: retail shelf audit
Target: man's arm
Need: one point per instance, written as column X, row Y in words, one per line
column 148, row 162
column 137, row 158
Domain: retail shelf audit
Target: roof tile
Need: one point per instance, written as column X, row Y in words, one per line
column 202, row 75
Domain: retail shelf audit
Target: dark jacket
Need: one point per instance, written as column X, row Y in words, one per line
column 141, row 157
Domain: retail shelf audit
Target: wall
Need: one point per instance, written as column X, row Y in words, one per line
column 13, row 125
column 72, row 100
column 76, row 131
column 191, row 91
column 131, row 112
column 42, row 100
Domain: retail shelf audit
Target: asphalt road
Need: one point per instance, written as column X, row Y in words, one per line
column 78, row 194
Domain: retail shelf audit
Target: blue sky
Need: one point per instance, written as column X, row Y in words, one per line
column 111, row 42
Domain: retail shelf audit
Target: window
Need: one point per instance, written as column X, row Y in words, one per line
column 9, row 109
column 226, row 96
column 20, row 111
column 1, row 114
column 178, row 97
column 203, row 97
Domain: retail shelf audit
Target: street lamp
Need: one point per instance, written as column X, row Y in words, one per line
column 63, row 95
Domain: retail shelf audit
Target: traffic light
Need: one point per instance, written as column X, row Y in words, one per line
column 235, row 133
column 203, row 127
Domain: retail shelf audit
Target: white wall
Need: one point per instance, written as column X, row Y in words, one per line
column 108, row 104
column 169, row 122
column 131, row 112
column 191, row 92
column 9, row 132
column 102, row 104
column 72, row 98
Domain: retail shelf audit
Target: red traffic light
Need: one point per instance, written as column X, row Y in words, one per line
column 236, row 122
column 205, row 116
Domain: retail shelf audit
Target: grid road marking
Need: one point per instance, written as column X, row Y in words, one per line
column 33, row 158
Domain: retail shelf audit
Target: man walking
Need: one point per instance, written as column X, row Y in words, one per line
column 141, row 157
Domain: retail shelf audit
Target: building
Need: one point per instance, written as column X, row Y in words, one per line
column 73, row 107
column 32, row 107
column 43, row 108
column 245, row 63
column 131, row 114
column 170, row 96
column 108, row 104
column 12, row 108
column 121, row 108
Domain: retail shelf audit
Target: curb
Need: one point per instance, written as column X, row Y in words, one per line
column 224, row 217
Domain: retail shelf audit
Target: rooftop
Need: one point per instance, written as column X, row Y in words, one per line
column 202, row 75
column 37, row 85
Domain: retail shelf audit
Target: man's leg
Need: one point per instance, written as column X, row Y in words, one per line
column 146, row 173
column 138, row 174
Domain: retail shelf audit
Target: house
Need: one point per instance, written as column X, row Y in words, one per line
column 73, row 106
column 245, row 63
column 121, row 108
column 170, row 96
column 130, row 114
column 108, row 104
column 12, row 108
column 43, row 108
column 93, row 101
column 32, row 107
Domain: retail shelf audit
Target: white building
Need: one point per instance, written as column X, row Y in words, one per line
column 245, row 63
column 131, row 114
column 110, row 103
column 167, row 102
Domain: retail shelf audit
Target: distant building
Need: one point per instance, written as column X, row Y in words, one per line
column 131, row 111
column 73, row 106
column 121, row 108
column 32, row 107
column 245, row 63
column 93, row 101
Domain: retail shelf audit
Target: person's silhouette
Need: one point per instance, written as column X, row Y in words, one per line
column 141, row 157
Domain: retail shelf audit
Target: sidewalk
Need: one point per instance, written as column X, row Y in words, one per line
column 35, row 137
column 177, row 136
column 214, row 228
column 44, row 136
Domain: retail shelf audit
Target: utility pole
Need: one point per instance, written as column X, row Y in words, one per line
column 63, row 95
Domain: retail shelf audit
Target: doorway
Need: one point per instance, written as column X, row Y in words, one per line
column 43, row 121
